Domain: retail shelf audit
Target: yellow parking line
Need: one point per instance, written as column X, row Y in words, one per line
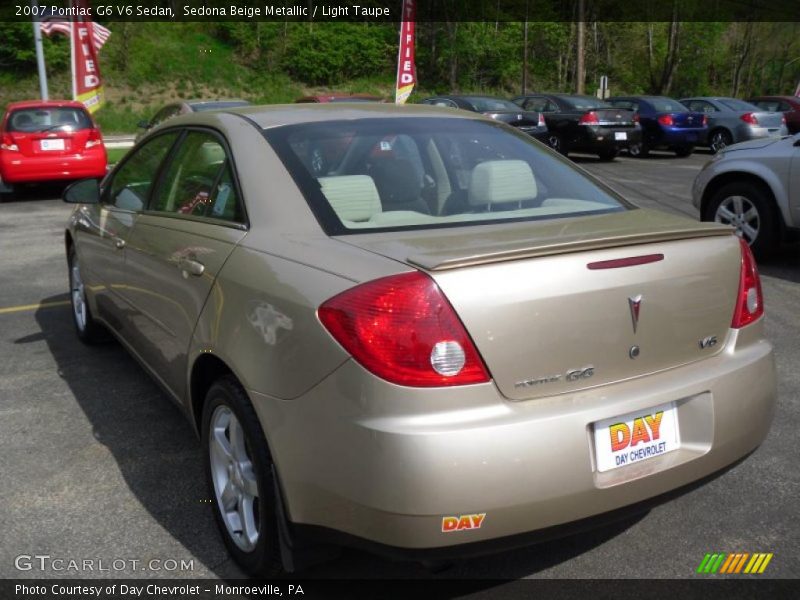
column 24, row 307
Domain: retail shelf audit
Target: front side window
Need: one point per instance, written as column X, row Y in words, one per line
column 198, row 181
column 412, row 173
column 131, row 184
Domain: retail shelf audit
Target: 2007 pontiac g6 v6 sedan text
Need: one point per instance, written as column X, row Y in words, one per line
column 414, row 329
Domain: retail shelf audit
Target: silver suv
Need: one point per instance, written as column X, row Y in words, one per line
column 754, row 186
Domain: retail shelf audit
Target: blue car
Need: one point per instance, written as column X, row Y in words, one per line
column 666, row 123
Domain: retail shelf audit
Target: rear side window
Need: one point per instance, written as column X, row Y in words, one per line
column 31, row 120
column 131, row 184
column 584, row 102
column 199, row 181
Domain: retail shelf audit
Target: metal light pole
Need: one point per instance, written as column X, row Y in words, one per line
column 37, row 39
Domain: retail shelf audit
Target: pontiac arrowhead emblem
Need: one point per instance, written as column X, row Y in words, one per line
column 635, row 303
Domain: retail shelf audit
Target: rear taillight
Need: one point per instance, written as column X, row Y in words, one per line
column 636, row 117
column 403, row 329
column 665, row 120
column 590, row 118
column 750, row 300
column 541, row 120
column 705, row 120
column 783, row 120
column 94, row 138
column 749, row 118
column 8, row 143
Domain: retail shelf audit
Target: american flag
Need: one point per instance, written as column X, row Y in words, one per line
column 53, row 24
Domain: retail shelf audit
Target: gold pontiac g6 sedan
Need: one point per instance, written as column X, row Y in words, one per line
column 416, row 330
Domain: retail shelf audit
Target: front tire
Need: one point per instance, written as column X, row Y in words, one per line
column 749, row 208
column 239, row 471
column 88, row 330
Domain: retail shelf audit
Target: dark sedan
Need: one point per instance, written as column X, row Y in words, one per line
column 666, row 123
column 788, row 105
column 584, row 123
column 530, row 122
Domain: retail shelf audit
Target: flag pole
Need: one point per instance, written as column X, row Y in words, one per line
column 37, row 40
column 72, row 57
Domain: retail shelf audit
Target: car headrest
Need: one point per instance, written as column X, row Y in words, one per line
column 501, row 181
column 352, row 197
column 397, row 181
column 210, row 153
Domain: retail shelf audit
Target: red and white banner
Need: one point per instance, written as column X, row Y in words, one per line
column 406, row 70
column 86, row 39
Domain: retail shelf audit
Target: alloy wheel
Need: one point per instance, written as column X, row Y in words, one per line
column 234, row 478
column 742, row 214
column 78, row 294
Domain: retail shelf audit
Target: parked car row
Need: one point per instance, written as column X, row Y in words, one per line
column 637, row 123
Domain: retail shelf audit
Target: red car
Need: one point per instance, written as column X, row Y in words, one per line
column 49, row 141
column 788, row 105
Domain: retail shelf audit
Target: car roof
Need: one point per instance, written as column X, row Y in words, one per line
column 276, row 115
column 45, row 103
column 792, row 98
column 196, row 101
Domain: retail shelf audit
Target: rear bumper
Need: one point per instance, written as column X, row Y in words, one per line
column 597, row 139
column 16, row 168
column 673, row 136
column 386, row 464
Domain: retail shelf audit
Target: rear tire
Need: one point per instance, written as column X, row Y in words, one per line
column 608, row 154
column 638, row 150
column 88, row 330
column 719, row 139
column 684, row 151
column 749, row 208
column 557, row 143
column 239, row 472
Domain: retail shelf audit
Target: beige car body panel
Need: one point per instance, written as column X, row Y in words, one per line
column 386, row 463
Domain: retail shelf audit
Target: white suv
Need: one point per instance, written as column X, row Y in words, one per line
column 754, row 186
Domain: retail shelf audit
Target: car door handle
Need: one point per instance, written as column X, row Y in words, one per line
column 119, row 243
column 191, row 267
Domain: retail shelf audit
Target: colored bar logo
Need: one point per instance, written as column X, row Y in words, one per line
column 735, row 563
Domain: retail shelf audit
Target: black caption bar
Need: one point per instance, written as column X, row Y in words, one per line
column 427, row 10
column 202, row 589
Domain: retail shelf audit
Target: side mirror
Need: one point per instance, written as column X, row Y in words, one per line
column 143, row 124
column 85, row 191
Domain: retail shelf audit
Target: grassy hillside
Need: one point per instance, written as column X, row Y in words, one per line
column 145, row 66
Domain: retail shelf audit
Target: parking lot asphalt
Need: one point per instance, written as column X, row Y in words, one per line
column 97, row 463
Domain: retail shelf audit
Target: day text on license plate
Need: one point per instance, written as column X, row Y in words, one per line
column 620, row 135
column 57, row 144
column 637, row 436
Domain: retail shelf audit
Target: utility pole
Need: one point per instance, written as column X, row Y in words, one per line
column 37, row 40
column 580, row 69
column 525, row 53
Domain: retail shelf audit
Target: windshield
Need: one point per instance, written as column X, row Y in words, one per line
column 735, row 104
column 489, row 104
column 667, row 105
column 416, row 173
column 31, row 120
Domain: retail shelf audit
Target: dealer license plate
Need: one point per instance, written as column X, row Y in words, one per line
column 57, row 144
column 636, row 436
column 620, row 135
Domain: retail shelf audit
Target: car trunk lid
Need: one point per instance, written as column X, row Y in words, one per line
column 685, row 120
column 51, row 143
column 549, row 312
column 771, row 120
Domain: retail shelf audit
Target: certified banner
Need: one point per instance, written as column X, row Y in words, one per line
column 406, row 71
column 87, row 87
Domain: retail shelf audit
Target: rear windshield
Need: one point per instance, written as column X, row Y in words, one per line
column 488, row 104
column 667, row 105
column 204, row 106
column 28, row 120
column 418, row 173
column 584, row 102
column 735, row 104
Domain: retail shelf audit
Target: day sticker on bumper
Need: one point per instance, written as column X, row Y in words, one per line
column 634, row 437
